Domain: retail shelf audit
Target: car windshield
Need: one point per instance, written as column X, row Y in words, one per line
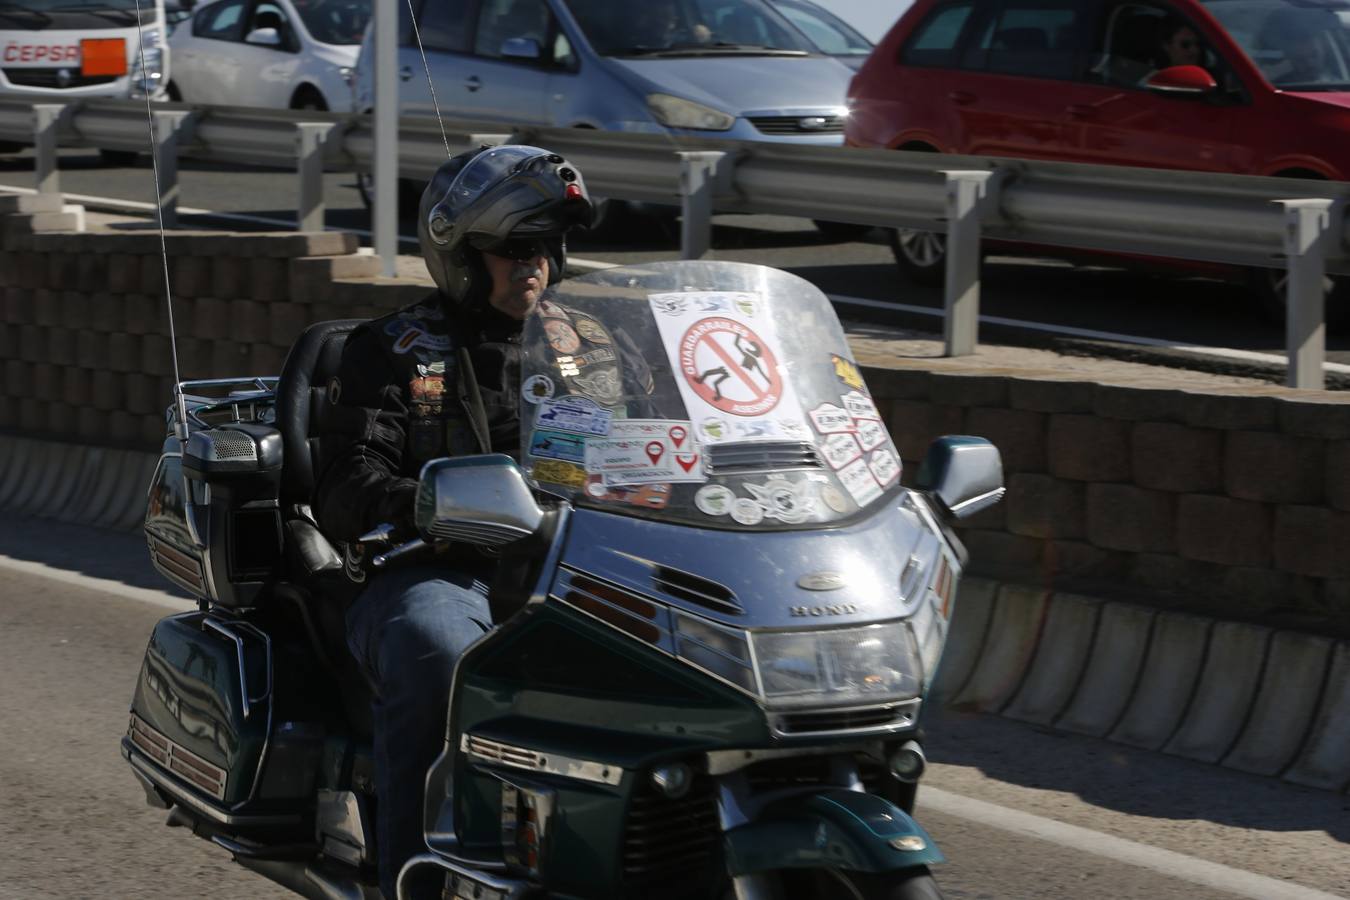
column 685, row 27
column 716, row 394
column 334, row 21
column 826, row 30
column 1299, row 45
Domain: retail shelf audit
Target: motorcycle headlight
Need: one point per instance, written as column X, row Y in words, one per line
column 871, row 664
column 676, row 112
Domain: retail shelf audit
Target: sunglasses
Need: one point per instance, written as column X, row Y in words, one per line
column 515, row 249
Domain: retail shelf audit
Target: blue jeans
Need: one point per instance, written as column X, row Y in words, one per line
column 407, row 629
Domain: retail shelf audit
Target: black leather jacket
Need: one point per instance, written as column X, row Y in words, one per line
column 414, row 385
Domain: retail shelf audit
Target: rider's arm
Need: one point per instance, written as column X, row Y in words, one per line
column 363, row 483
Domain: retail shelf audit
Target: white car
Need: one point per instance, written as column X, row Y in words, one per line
column 287, row 54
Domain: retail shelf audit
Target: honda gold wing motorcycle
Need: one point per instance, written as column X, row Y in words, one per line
column 717, row 612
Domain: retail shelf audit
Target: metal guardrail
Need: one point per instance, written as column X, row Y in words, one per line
column 1238, row 220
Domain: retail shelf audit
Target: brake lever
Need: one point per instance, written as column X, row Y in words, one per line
column 380, row 534
column 401, row 550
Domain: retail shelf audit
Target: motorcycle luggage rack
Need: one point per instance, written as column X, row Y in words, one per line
column 246, row 399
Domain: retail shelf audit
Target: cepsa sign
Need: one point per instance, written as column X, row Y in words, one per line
column 40, row 54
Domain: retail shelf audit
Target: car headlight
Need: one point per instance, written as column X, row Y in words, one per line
column 871, row 664
column 676, row 112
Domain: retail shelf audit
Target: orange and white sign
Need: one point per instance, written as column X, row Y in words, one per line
column 92, row 56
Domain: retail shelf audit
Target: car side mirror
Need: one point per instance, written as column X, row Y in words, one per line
column 263, row 37
column 964, row 473
column 1181, row 81
column 522, row 48
column 477, row 499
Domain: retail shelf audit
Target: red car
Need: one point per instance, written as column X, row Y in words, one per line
column 1259, row 87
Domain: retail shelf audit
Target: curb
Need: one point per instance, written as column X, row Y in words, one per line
column 1114, row 661
column 75, row 483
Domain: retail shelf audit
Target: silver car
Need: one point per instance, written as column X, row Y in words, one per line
column 715, row 68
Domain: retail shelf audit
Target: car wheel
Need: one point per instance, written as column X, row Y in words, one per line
column 1271, row 287
column 118, row 158
column 309, row 98
column 921, row 255
column 841, row 231
column 175, row 95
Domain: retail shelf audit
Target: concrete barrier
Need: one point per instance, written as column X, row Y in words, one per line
column 1061, row 657
column 1013, row 633
column 74, row 483
column 1114, row 663
column 1175, row 654
column 1223, row 697
column 1325, row 760
column 974, row 609
column 1282, row 713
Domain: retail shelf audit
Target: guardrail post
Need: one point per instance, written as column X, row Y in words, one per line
column 1306, row 225
column 46, row 120
column 169, row 134
column 967, row 195
column 311, row 140
column 699, row 174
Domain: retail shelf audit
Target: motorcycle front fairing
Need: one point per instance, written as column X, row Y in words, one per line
column 729, row 601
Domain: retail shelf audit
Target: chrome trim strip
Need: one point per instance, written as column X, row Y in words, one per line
column 906, row 717
column 197, row 805
column 511, row 887
column 490, row 751
column 724, row 762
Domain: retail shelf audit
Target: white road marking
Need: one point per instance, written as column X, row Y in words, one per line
column 1167, row 862
column 102, row 585
column 591, row 265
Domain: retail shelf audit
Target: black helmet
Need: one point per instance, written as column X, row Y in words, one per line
column 487, row 197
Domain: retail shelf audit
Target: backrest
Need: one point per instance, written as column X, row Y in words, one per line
column 301, row 395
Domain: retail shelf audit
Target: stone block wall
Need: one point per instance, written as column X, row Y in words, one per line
column 1232, row 502
column 84, row 337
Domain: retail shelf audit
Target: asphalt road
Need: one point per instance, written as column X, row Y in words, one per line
column 1168, row 308
column 1022, row 814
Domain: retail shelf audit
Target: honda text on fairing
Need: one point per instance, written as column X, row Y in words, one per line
column 717, row 614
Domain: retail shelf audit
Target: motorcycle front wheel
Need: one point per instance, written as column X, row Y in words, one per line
column 842, row 884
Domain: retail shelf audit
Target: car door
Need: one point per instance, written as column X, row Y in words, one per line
column 201, row 69
column 1016, row 61
column 499, row 87
column 1114, row 120
column 446, row 31
column 266, row 73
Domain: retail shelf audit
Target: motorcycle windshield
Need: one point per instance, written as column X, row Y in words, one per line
column 717, row 394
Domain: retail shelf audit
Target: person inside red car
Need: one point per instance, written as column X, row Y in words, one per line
column 1179, row 45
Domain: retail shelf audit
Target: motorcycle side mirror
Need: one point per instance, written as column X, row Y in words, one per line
column 965, row 473
column 477, row 499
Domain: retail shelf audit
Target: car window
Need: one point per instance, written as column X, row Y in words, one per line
column 563, row 54
column 341, row 22
column 825, row 31
column 1134, row 40
column 1036, row 38
column 502, row 20
column 1296, row 45
column 220, row 21
column 624, row 28
column 446, row 25
column 935, row 41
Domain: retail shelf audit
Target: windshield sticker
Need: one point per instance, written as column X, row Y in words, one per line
column 847, row 372
column 550, row 471
column 788, row 502
column 676, row 431
column 577, row 414
column 714, row 500
column 558, row 445
column 871, row 433
column 747, row 511
column 884, row 466
column 537, row 389
column 641, row 462
column 858, row 481
column 648, row 496
column 859, row 407
column 840, row 450
column 831, row 419
column 726, row 355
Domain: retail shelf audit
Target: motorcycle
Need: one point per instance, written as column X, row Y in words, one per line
column 717, row 613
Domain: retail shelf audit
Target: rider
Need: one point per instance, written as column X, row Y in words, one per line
column 440, row 378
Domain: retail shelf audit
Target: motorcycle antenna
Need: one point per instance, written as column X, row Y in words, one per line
column 417, row 35
column 180, row 427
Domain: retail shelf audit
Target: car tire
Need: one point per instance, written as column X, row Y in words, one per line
column 1270, row 288
column 308, row 97
column 118, row 158
column 12, row 147
column 921, row 255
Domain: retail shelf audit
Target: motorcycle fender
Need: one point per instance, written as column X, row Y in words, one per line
column 834, row 829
